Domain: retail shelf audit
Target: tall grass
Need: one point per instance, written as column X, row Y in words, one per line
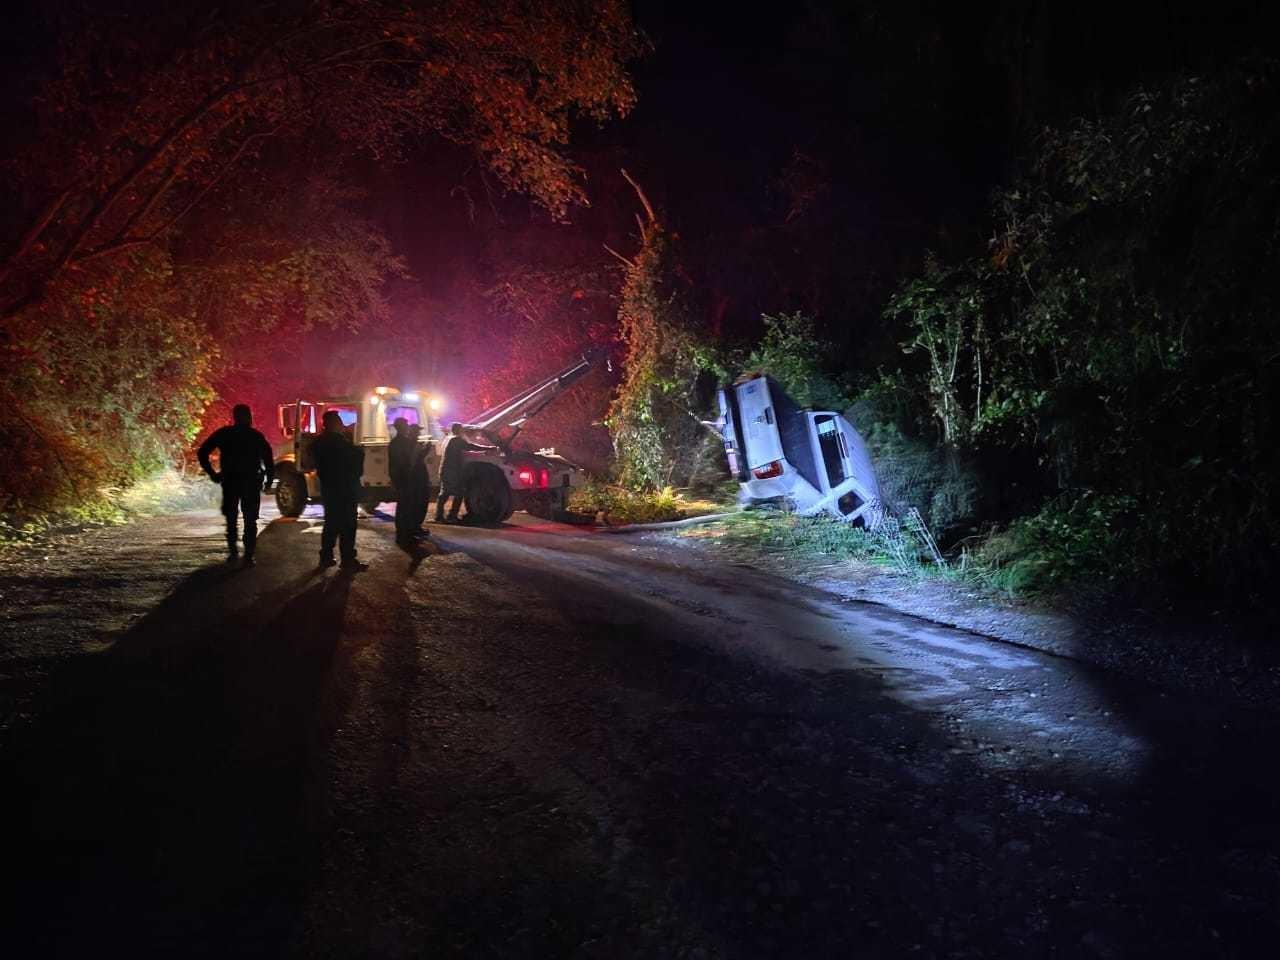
column 902, row 547
column 755, row 532
column 166, row 491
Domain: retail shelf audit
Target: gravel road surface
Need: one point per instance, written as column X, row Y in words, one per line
column 541, row 741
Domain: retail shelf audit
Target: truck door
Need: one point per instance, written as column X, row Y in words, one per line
column 835, row 459
column 761, row 441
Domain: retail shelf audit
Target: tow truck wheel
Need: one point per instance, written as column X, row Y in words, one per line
column 488, row 497
column 291, row 494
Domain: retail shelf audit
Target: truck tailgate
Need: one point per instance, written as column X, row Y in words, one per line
column 761, row 441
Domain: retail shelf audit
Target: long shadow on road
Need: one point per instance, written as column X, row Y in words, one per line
column 821, row 815
column 167, row 795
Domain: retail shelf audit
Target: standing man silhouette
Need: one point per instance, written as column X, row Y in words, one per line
column 452, row 464
column 339, row 464
column 419, row 483
column 245, row 469
column 400, row 455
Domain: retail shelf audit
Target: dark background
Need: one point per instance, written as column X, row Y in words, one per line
column 807, row 156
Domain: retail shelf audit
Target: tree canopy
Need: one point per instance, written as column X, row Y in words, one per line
column 186, row 163
column 1122, row 332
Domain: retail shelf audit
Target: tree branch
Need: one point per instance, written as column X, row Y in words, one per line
column 34, row 231
column 629, row 263
column 126, row 243
column 648, row 207
column 149, row 156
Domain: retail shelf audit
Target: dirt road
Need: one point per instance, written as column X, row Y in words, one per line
column 540, row 741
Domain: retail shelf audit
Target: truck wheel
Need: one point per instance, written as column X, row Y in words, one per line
column 291, row 493
column 488, row 495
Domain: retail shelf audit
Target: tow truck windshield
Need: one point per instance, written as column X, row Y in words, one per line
column 395, row 411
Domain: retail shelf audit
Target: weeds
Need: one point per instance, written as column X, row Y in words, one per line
column 755, row 532
column 904, row 547
column 617, row 505
column 166, row 491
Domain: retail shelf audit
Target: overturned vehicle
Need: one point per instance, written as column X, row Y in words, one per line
column 813, row 461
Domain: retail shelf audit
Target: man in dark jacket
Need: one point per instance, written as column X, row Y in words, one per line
column 400, row 457
column 245, row 469
column 419, row 483
column 339, row 464
column 452, row 482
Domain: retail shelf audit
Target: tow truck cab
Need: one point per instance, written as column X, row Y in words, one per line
column 812, row 459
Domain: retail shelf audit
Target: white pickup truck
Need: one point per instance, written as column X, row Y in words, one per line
column 813, row 460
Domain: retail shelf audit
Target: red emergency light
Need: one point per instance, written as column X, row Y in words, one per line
column 533, row 478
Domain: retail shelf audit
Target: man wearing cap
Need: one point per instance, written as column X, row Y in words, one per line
column 339, row 464
column 419, row 483
column 245, row 469
column 400, row 457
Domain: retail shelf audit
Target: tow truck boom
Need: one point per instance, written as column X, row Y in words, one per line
column 513, row 413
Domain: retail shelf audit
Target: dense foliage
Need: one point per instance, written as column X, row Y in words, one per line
column 174, row 191
column 792, row 353
column 1123, row 334
column 655, row 414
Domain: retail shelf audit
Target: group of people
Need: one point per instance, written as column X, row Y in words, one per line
column 246, row 470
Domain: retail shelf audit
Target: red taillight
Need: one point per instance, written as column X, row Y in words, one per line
column 768, row 471
column 530, row 477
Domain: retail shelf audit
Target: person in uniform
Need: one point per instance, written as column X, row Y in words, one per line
column 245, row 469
column 452, row 482
column 339, row 465
column 400, row 458
column 419, row 483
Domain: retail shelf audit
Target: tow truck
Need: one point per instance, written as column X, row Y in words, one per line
column 498, row 480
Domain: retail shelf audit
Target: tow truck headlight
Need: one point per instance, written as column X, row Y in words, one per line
column 768, row 471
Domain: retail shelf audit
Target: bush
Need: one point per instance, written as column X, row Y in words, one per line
column 942, row 483
column 792, row 353
column 1120, row 337
column 651, row 420
column 622, row 506
column 1074, row 539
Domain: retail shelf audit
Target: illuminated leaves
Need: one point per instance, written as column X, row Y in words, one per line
column 177, row 190
column 653, row 428
column 139, row 126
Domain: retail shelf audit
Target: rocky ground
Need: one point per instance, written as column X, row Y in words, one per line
column 541, row 741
